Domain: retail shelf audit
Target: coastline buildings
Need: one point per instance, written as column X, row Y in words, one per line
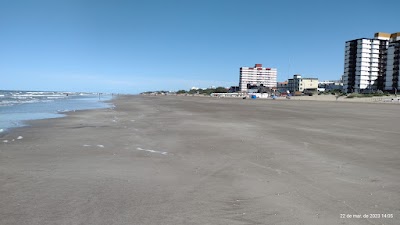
column 372, row 64
column 364, row 63
column 330, row 85
column 392, row 65
column 257, row 76
column 282, row 87
column 298, row 83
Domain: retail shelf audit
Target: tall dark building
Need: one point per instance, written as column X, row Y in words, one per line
column 392, row 83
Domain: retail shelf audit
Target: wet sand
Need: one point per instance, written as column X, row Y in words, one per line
column 188, row 160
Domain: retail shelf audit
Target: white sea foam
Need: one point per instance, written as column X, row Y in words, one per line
column 5, row 141
column 55, row 97
column 100, row 146
column 152, row 151
column 22, row 100
column 45, row 105
column 38, row 95
column 19, row 137
column 86, row 145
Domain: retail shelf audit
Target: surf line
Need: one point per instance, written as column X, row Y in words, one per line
column 152, row 151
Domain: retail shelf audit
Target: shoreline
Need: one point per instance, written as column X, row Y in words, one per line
column 175, row 160
column 58, row 114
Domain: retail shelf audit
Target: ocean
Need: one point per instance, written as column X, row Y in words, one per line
column 19, row 106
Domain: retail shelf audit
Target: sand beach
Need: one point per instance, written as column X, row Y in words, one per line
column 186, row 160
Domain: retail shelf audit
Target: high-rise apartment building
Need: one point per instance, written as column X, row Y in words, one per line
column 372, row 64
column 365, row 63
column 392, row 63
column 257, row 76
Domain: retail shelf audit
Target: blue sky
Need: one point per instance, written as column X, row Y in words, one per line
column 133, row 46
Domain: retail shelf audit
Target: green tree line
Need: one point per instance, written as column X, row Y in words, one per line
column 207, row 91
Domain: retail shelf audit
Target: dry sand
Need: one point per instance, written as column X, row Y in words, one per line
column 381, row 99
column 188, row 160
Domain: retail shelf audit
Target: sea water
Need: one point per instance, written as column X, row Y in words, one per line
column 19, row 106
